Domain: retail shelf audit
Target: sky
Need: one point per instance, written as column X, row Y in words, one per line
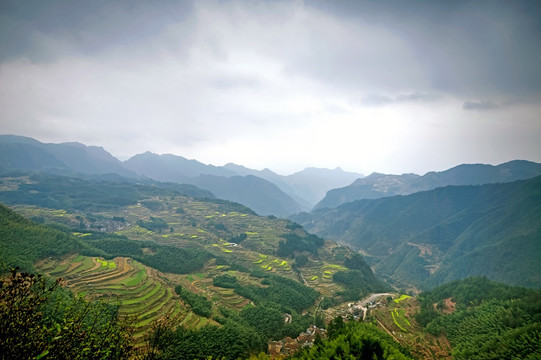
column 388, row 86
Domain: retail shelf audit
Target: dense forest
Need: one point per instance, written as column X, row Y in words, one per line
column 354, row 340
column 484, row 320
column 432, row 237
column 25, row 242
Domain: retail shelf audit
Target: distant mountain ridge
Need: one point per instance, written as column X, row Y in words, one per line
column 18, row 152
column 430, row 237
column 293, row 193
column 264, row 191
column 260, row 195
column 172, row 167
column 308, row 186
column 377, row 185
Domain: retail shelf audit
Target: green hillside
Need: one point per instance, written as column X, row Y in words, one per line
column 24, row 242
column 484, row 319
column 194, row 261
column 428, row 238
column 207, row 277
column 95, row 193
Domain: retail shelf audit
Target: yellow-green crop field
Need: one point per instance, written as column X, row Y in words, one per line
column 402, row 297
column 122, row 281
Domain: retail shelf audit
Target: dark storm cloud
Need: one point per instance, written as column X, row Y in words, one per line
column 43, row 31
column 468, row 48
column 454, row 47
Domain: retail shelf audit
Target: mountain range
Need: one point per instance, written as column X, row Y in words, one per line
column 452, row 232
column 155, row 232
column 18, row 152
column 381, row 185
column 264, row 191
column 293, row 193
column 308, row 186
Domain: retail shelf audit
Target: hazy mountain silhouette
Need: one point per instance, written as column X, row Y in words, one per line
column 308, row 186
column 380, row 185
column 18, row 152
column 259, row 194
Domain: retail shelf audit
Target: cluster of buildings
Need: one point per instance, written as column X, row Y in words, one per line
column 349, row 311
column 287, row 346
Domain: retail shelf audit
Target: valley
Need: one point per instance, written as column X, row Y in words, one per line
column 427, row 238
column 270, row 180
column 187, row 270
column 161, row 255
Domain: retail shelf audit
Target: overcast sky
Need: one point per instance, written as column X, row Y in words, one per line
column 388, row 86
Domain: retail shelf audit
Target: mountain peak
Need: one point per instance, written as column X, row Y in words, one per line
column 74, row 144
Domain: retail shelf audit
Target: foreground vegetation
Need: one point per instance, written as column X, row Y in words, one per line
column 354, row 340
column 39, row 319
column 485, row 320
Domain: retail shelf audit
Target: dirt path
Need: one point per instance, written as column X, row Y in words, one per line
column 387, row 330
column 303, row 279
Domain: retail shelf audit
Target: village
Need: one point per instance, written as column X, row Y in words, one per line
column 350, row 311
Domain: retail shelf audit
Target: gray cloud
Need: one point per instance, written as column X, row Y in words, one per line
column 382, row 100
column 377, row 100
column 492, row 105
column 465, row 48
column 44, row 31
column 417, row 97
column 219, row 79
column 461, row 48
column 231, row 82
column 480, row 105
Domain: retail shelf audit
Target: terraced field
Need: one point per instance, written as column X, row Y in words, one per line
column 212, row 225
column 137, row 289
column 190, row 222
column 398, row 320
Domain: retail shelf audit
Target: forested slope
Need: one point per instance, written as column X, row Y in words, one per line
column 485, row 320
column 23, row 242
column 432, row 237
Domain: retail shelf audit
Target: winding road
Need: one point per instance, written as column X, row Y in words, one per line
column 361, row 304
